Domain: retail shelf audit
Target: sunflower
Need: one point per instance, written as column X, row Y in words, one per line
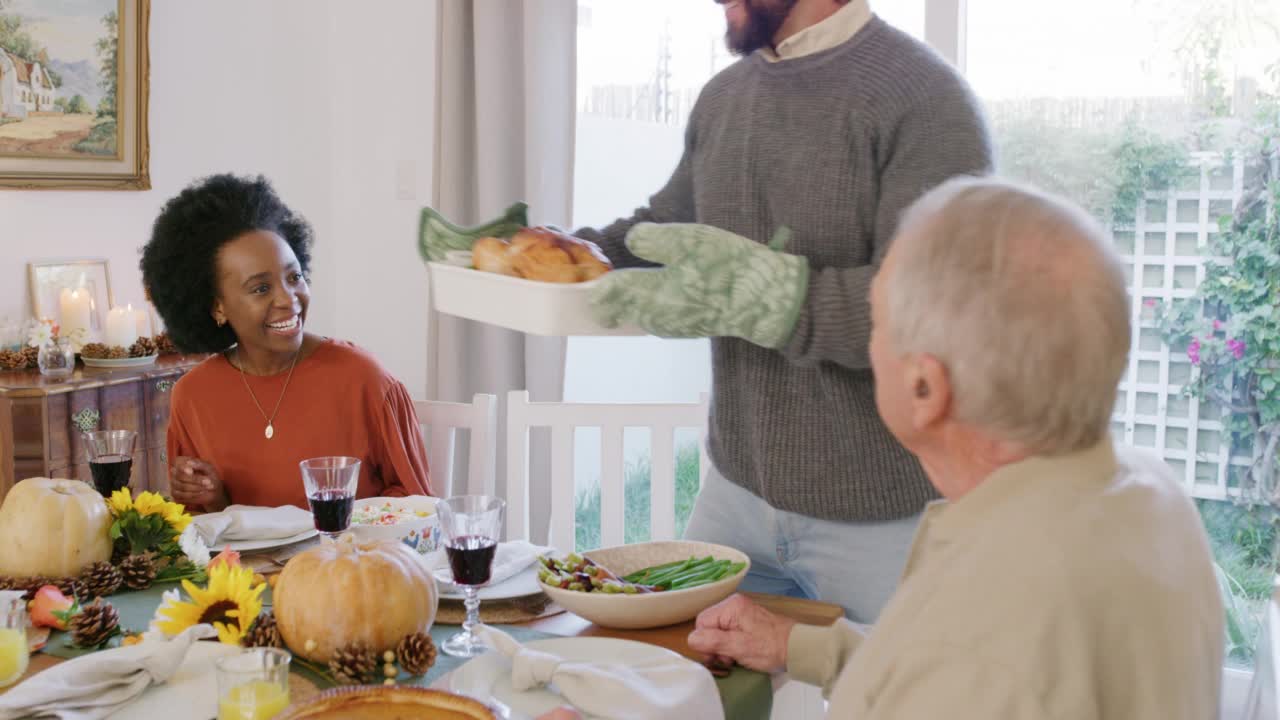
column 120, row 502
column 176, row 515
column 149, row 503
column 230, row 602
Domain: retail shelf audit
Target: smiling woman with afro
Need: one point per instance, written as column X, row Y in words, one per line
column 227, row 267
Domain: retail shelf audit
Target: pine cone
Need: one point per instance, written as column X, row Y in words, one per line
column 115, row 352
column 416, row 653
column 69, row 586
column 144, row 347
column 94, row 625
column 164, row 345
column 12, row 360
column 264, row 633
column 11, row 583
column 138, row 571
column 353, row 664
column 94, row 350
column 33, row 357
column 33, row 584
column 100, row 580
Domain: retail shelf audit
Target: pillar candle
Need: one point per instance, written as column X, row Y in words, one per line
column 74, row 308
column 122, row 328
column 143, row 318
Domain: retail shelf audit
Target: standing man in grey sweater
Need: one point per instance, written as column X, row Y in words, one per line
column 798, row 161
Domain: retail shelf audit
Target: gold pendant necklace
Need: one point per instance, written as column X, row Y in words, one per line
column 271, row 430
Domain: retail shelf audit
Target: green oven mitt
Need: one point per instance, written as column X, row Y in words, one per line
column 437, row 236
column 714, row 283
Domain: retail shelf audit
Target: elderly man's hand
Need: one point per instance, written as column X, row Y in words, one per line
column 743, row 631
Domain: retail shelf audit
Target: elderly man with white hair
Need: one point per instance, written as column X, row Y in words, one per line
column 1057, row 579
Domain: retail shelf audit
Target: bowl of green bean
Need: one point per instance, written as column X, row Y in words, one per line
column 643, row 585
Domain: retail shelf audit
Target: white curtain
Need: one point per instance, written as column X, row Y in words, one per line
column 505, row 132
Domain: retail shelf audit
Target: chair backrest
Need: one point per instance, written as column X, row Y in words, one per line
column 442, row 420
column 612, row 419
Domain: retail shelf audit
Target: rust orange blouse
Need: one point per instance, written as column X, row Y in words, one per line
column 339, row 402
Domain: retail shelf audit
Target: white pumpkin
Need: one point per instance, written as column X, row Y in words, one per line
column 54, row 528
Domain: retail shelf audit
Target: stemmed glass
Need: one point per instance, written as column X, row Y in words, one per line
column 471, row 525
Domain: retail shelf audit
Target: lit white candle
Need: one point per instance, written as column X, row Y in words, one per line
column 143, row 318
column 122, row 328
column 74, row 308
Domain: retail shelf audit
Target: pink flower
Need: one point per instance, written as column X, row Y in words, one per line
column 1193, row 351
column 229, row 557
column 1217, row 325
column 1237, row 348
column 1149, row 302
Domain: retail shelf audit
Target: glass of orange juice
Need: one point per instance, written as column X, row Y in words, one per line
column 13, row 638
column 253, row 684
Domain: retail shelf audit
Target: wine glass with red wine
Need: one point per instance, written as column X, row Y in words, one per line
column 330, row 483
column 471, row 525
column 110, row 458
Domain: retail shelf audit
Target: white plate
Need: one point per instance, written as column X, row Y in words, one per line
column 191, row 692
column 489, row 675
column 521, row 584
column 118, row 362
column 249, row 545
column 539, row 308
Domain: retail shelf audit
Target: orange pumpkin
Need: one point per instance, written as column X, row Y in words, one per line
column 345, row 591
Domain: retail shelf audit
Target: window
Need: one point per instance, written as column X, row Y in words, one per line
column 1147, row 113
column 640, row 68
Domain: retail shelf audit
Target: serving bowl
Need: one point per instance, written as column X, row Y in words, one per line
column 656, row 609
column 411, row 520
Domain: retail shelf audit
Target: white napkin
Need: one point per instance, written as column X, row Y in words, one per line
column 93, row 686
column 246, row 522
column 510, row 559
column 669, row 688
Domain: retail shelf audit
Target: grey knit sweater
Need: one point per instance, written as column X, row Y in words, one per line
column 834, row 145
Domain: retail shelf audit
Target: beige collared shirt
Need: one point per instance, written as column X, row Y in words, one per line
column 839, row 27
column 1072, row 588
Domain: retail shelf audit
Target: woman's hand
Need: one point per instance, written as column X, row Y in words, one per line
column 193, row 481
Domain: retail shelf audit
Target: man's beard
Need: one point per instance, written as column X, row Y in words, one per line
column 764, row 17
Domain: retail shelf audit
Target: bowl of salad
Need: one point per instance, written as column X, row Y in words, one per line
column 411, row 520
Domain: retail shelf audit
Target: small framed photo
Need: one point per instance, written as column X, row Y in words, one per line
column 76, row 294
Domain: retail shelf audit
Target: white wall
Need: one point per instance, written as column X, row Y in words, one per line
column 252, row 87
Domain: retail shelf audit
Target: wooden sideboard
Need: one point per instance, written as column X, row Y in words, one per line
column 41, row 420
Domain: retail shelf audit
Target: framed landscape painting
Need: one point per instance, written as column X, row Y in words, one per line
column 73, row 94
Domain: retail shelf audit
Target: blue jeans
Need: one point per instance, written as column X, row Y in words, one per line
column 853, row 564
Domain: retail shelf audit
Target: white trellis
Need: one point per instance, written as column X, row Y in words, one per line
column 1164, row 255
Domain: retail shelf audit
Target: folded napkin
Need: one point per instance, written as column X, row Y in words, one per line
column 509, row 560
column 670, row 688
column 94, row 686
column 245, row 522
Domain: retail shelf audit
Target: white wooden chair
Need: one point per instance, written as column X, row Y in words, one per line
column 442, row 420
column 661, row 418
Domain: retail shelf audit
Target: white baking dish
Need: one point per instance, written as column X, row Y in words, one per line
column 538, row 308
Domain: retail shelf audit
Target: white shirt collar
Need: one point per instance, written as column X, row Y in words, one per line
column 835, row 30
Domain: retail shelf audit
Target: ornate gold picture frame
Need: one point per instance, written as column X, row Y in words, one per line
column 73, row 94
